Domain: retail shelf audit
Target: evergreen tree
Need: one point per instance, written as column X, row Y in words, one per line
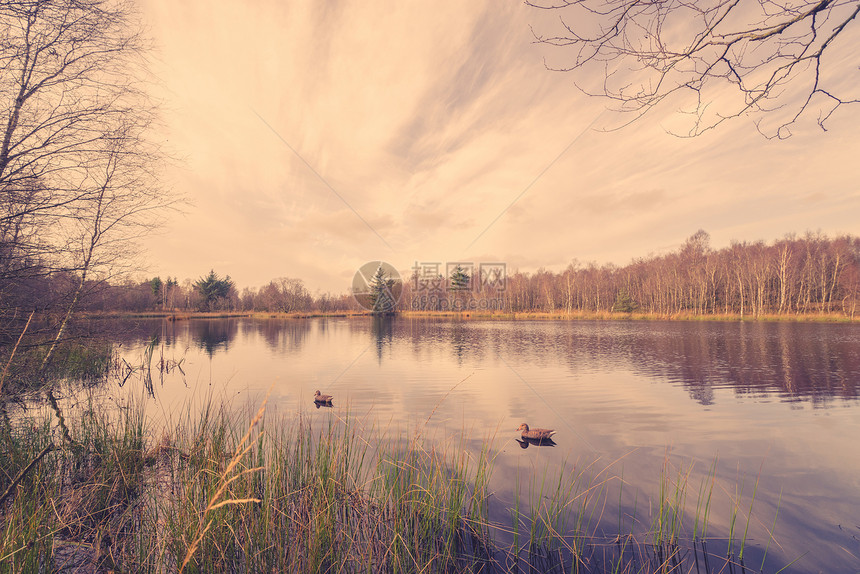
column 382, row 299
column 460, row 280
column 212, row 288
column 156, row 285
column 624, row 303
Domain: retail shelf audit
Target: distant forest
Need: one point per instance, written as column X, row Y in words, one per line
column 794, row 275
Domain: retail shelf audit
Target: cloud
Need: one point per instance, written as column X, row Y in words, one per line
column 437, row 123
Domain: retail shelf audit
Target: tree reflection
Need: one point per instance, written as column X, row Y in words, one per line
column 213, row 335
column 815, row 362
column 285, row 335
column 382, row 330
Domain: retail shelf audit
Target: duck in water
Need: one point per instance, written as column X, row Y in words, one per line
column 535, row 434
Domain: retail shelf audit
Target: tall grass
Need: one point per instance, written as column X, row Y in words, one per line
column 217, row 491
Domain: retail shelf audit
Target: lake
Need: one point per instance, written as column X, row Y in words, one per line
column 769, row 413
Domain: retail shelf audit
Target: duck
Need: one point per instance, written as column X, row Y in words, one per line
column 320, row 398
column 535, row 434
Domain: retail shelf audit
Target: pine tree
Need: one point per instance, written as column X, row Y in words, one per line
column 624, row 303
column 382, row 299
column 460, row 279
column 212, row 288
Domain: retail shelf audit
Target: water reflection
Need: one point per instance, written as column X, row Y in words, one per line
column 283, row 335
column 212, row 336
column 817, row 363
column 526, row 442
column 812, row 362
column 797, row 361
column 382, row 330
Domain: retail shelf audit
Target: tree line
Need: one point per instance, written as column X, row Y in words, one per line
column 212, row 292
column 805, row 274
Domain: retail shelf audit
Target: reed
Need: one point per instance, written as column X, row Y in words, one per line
column 221, row 490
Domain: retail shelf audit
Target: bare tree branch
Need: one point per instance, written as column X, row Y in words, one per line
column 78, row 159
column 772, row 56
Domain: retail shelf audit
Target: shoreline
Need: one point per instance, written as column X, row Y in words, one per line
column 611, row 316
column 484, row 315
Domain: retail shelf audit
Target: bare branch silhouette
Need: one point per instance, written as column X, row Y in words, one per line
column 721, row 59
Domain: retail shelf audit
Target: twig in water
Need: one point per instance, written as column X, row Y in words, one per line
column 52, row 400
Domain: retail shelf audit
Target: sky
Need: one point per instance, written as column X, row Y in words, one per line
column 313, row 137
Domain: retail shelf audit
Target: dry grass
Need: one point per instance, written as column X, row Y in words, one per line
column 636, row 316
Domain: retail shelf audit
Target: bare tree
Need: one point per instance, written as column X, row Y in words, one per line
column 285, row 295
column 78, row 165
column 797, row 56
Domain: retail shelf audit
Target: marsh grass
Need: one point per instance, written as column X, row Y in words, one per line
column 221, row 491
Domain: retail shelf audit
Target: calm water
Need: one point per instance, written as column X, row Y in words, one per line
column 773, row 402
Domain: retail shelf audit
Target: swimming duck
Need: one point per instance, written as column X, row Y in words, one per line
column 535, row 434
column 320, row 398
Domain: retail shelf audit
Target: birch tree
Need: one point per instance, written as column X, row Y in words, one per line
column 78, row 159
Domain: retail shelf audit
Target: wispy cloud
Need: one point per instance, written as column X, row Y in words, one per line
column 430, row 121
